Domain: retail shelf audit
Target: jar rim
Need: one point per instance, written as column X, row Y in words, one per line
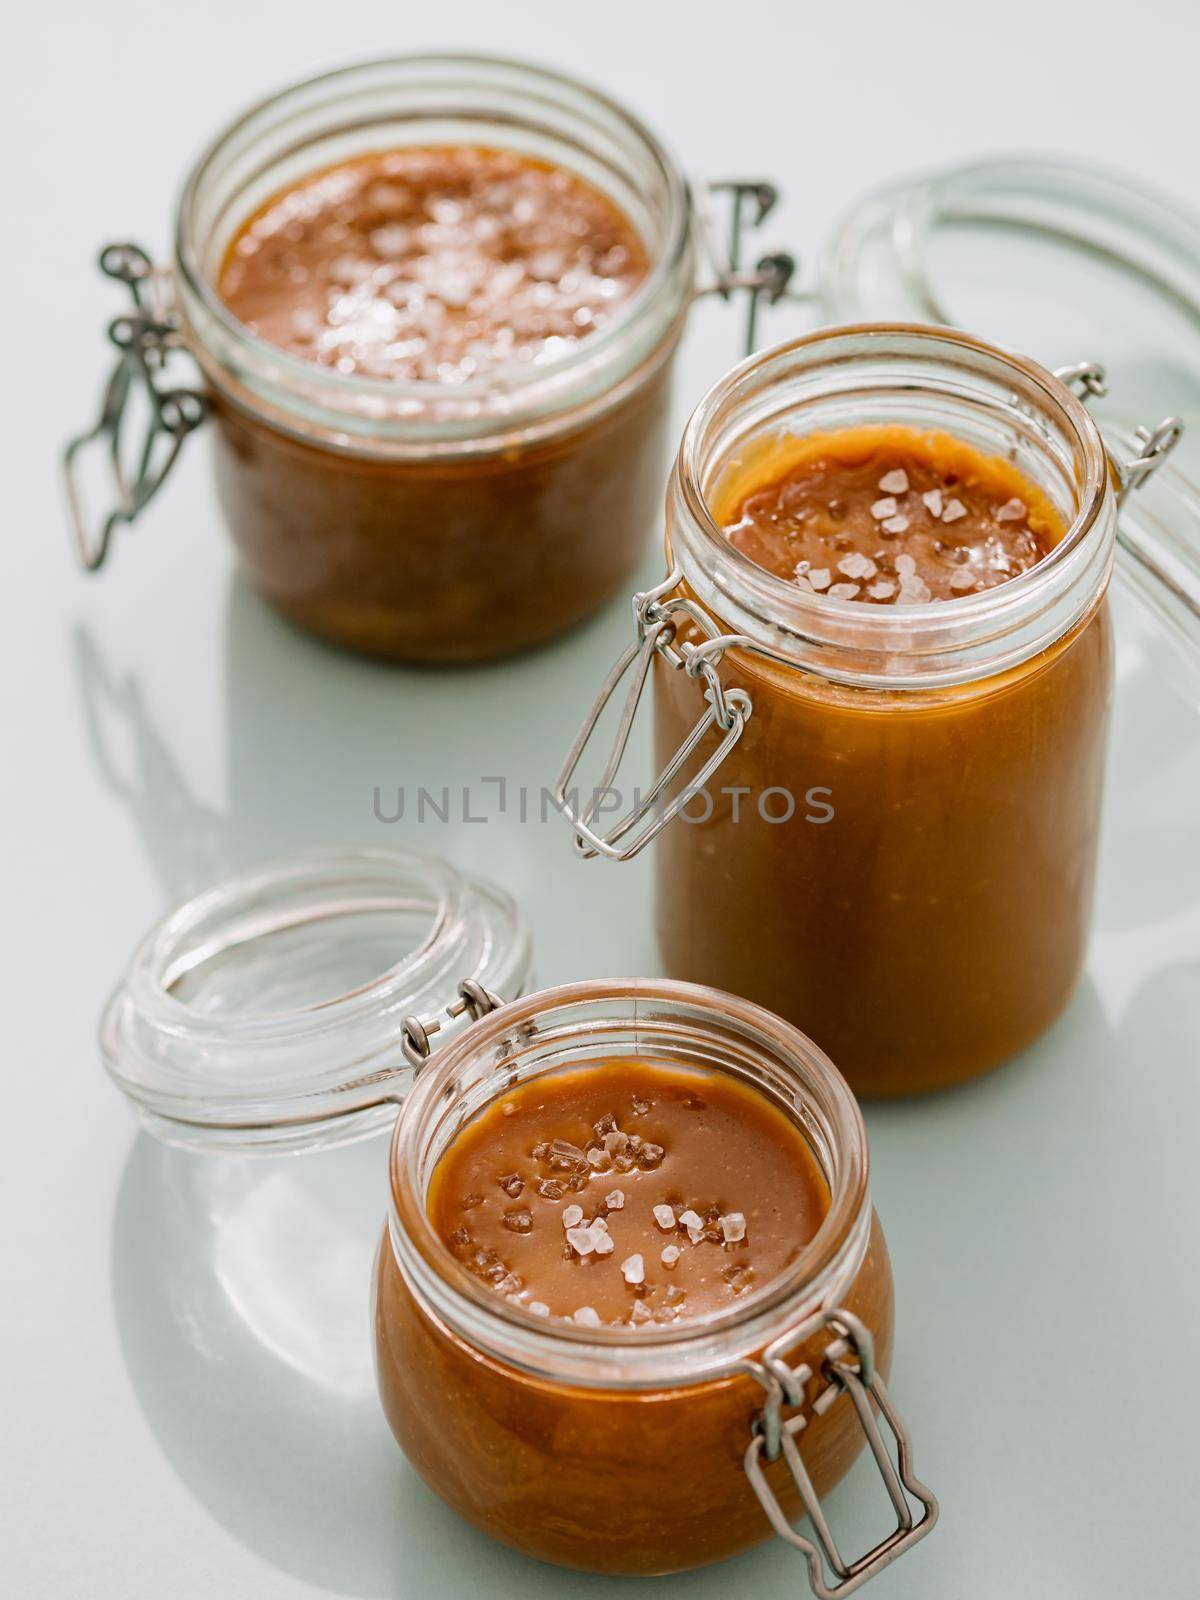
column 654, row 1356
column 912, row 646
column 509, row 384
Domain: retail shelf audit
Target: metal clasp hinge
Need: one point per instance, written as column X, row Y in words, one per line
column 144, row 338
column 727, row 710
column 415, row 1032
column 751, row 201
column 848, row 1365
column 1088, row 380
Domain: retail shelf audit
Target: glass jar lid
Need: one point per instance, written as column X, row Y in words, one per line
column 266, row 1013
column 1064, row 263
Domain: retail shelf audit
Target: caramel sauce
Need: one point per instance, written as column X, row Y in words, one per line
column 885, row 515
column 444, row 263
column 628, row 1192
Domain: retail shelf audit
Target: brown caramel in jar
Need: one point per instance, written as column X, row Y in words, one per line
column 628, row 1193
column 613, row 1479
column 441, row 266
column 936, row 922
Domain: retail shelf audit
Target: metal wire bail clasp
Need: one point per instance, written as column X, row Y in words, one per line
column 751, row 201
column 727, row 710
column 144, row 338
column 416, row 1032
column 847, row 1367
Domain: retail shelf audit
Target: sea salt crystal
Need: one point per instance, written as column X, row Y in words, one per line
column 519, row 1221
column 601, row 1223
column 633, row 1269
column 906, row 566
column 572, row 1216
column 694, row 1225
column 802, row 583
column 895, row 482
column 587, row 1317
column 665, row 1218
column 954, row 510
column 601, row 1241
column 886, row 507
column 671, row 1254
column 962, row 579
column 801, row 568
column 581, row 1241
column 913, row 592
column 856, row 565
column 539, row 1308
column 733, row 1226
column 819, row 577
column 844, row 591
column 1011, row 511
column 641, row 1312
column 615, row 1201
column 933, row 501
column 595, row 1156
column 896, row 525
column 883, row 590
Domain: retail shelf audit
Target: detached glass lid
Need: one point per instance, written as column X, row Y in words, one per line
column 267, row 1012
column 1063, row 263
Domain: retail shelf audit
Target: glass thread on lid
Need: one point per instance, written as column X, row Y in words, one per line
column 267, row 1012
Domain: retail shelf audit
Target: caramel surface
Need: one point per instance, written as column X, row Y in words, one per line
column 549, row 1195
column 885, row 515
column 443, row 263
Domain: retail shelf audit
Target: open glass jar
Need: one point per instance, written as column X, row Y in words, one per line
column 418, row 520
column 882, row 822
column 254, row 1018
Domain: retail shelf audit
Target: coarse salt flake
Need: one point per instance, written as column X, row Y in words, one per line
column 933, row 502
column 906, row 565
column 602, row 1242
column 633, row 1269
column 895, row 525
column 883, row 590
column 856, row 565
column 819, row 577
column 581, row 1241
column 954, row 510
column 1011, row 511
column 588, row 1317
column 895, row 482
column 539, row 1308
column 844, row 591
column 572, row 1216
column 733, row 1227
column 665, row 1217
column 694, row 1223
column 671, row 1254
column 886, row 507
column 615, row 1200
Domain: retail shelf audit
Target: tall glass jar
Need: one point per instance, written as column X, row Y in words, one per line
column 424, row 521
column 627, row 1450
column 891, row 839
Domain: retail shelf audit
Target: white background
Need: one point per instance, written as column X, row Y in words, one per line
column 188, row 1407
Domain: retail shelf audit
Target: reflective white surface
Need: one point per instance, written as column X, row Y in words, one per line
column 187, row 1393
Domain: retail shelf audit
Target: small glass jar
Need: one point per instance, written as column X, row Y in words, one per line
column 255, row 1018
column 889, row 828
column 617, row 1450
column 421, row 521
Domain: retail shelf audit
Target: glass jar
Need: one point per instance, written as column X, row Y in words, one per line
column 420, row 521
column 620, row 1450
column 269, row 1014
column 888, row 829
